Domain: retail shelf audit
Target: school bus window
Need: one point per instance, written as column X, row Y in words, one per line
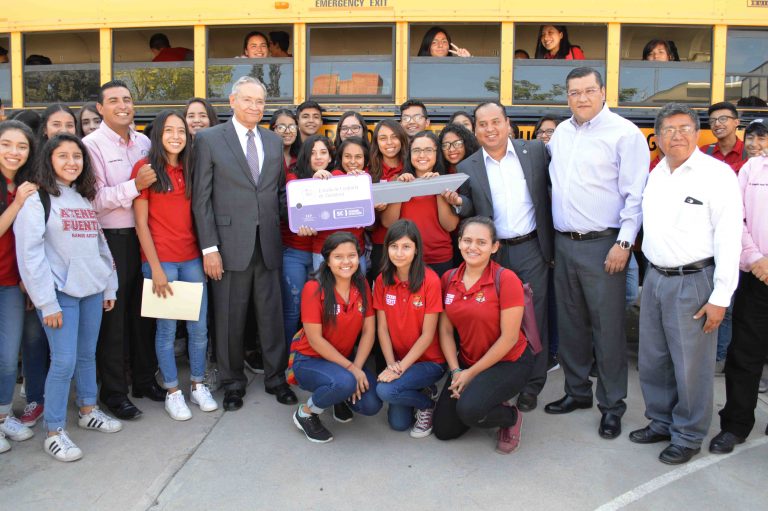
column 553, row 50
column 660, row 64
column 264, row 52
column 746, row 67
column 454, row 62
column 5, row 70
column 156, row 63
column 351, row 61
column 61, row 66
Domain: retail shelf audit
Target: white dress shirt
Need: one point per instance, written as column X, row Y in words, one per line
column 692, row 214
column 513, row 212
column 598, row 171
column 242, row 137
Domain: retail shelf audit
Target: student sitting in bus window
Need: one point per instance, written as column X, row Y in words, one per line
column 3, row 55
column 199, row 114
column 657, row 49
column 437, row 43
column 88, row 119
column 279, row 42
column 756, row 138
column 463, row 118
column 545, row 127
column 255, row 46
column 554, row 44
column 38, row 60
column 160, row 46
column 522, row 54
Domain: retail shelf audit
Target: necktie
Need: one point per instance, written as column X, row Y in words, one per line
column 252, row 156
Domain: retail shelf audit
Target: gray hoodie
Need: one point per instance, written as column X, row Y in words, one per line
column 68, row 254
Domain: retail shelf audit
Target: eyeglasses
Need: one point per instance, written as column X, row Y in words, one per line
column 427, row 151
column 456, row 144
column 683, row 130
column 586, row 92
column 548, row 132
column 415, row 118
column 282, row 128
column 720, row 120
column 351, row 129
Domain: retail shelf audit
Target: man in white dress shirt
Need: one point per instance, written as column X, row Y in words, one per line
column 692, row 213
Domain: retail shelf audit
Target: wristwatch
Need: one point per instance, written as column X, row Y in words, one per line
column 625, row 245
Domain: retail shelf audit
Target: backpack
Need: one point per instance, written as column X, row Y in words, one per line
column 46, row 200
column 529, row 326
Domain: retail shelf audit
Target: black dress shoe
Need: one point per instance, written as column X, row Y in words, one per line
column 610, row 426
column 233, row 399
column 647, row 436
column 284, row 394
column 566, row 405
column 677, row 454
column 122, row 408
column 724, row 442
column 154, row 392
column 526, row 402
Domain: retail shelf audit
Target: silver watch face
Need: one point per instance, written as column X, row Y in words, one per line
column 624, row 244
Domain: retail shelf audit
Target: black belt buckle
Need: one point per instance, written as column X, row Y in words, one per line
column 577, row 236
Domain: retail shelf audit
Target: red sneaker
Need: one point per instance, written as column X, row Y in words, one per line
column 508, row 439
column 32, row 413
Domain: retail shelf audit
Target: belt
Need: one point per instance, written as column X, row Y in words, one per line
column 520, row 239
column 121, row 232
column 687, row 269
column 611, row 231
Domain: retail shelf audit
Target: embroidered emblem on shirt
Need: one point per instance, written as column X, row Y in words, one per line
column 417, row 301
column 480, row 297
column 360, row 306
column 391, row 299
column 449, row 299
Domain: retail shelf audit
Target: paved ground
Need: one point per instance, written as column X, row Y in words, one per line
column 256, row 459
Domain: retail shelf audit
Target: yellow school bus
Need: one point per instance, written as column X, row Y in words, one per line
column 363, row 54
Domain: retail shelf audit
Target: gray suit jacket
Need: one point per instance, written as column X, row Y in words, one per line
column 478, row 200
column 228, row 205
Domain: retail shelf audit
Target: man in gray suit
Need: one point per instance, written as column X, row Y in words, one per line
column 239, row 196
column 508, row 183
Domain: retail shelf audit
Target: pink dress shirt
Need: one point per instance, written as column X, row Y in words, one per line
column 113, row 161
column 753, row 179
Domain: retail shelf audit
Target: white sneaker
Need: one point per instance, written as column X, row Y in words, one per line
column 99, row 421
column 4, row 445
column 201, row 396
column 176, row 406
column 15, row 430
column 423, row 426
column 61, row 447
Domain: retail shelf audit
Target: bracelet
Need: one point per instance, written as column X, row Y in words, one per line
column 350, row 365
column 454, row 371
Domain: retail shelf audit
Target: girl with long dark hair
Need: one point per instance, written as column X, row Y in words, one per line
column 437, row 43
column 553, row 43
column 351, row 125
column 284, row 123
column 408, row 300
column 170, row 252
column 336, row 309
column 199, row 114
column 88, row 119
column 70, row 276
column 57, row 118
column 457, row 144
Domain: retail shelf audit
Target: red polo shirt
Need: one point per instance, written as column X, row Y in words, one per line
column 574, row 54
column 9, row 271
column 170, row 218
column 437, row 241
column 387, row 174
column 735, row 158
column 405, row 313
column 291, row 239
column 476, row 313
column 173, row 55
column 349, row 318
column 317, row 241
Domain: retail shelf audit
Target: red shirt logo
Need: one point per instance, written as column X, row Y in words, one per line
column 480, row 297
column 391, row 300
column 417, row 301
column 449, row 299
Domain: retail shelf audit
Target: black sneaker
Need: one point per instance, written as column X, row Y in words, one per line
column 342, row 412
column 312, row 428
column 254, row 362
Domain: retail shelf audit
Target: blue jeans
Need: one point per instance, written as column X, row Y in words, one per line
column 633, row 281
column 297, row 265
column 11, row 325
column 318, row 258
column 404, row 394
column 34, row 356
column 724, row 333
column 331, row 384
column 73, row 352
column 197, row 331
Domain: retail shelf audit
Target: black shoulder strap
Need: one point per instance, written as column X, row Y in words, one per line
column 497, row 280
column 46, row 200
column 711, row 149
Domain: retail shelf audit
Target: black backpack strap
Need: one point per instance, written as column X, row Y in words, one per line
column 497, row 281
column 46, row 201
column 711, row 149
